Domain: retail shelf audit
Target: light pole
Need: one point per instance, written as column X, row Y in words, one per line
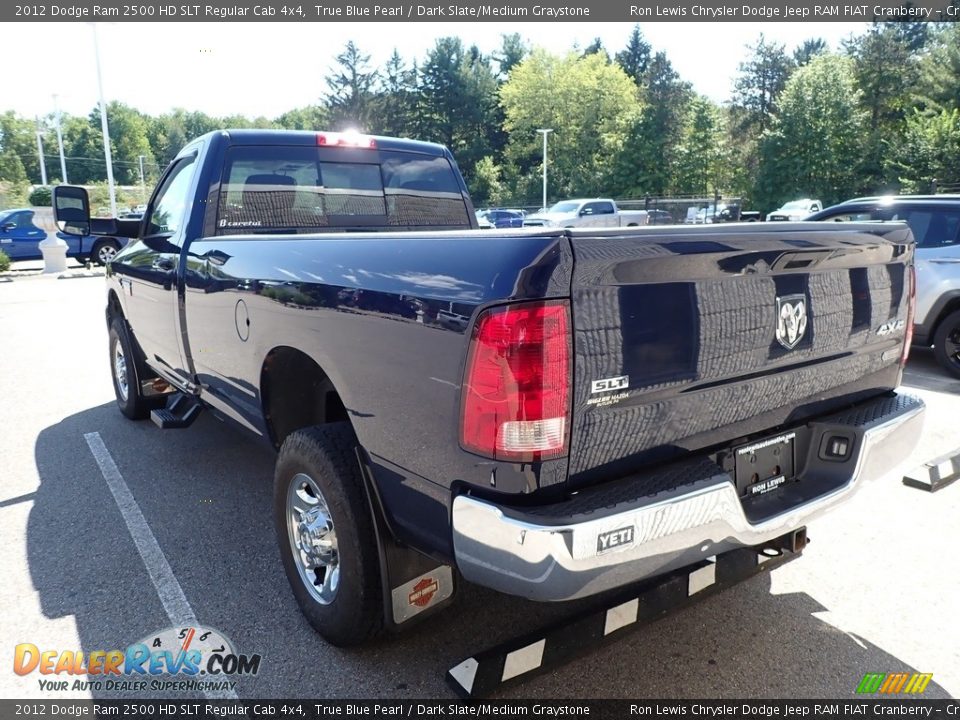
column 43, row 166
column 103, row 124
column 143, row 183
column 63, row 159
column 544, row 132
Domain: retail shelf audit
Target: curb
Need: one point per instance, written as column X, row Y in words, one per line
column 68, row 275
column 935, row 474
column 73, row 275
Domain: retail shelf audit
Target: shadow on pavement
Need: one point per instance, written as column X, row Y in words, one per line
column 206, row 496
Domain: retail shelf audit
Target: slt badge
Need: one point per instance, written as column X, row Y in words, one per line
column 791, row 320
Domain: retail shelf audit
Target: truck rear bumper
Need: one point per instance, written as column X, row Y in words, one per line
column 615, row 534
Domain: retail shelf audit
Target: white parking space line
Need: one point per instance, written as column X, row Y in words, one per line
column 168, row 589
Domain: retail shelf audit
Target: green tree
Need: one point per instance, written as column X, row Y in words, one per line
column 459, row 94
column 394, row 105
column 18, row 138
column 350, row 90
column 938, row 85
column 41, row 196
column 311, row 117
column 814, row 146
column 596, row 48
column 129, row 140
column 886, row 71
column 647, row 165
column 636, row 56
column 753, row 107
column 760, row 80
column 930, row 150
column 512, row 50
column 589, row 103
column 808, row 50
column 485, row 184
column 700, row 154
column 83, row 146
column 11, row 167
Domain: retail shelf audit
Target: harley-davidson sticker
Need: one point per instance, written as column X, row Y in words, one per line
column 423, row 592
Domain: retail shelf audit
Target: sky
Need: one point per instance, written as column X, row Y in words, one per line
column 266, row 69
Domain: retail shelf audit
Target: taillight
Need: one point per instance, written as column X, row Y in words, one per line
column 516, row 391
column 346, row 139
column 911, row 307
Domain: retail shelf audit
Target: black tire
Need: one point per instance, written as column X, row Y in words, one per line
column 946, row 343
column 127, row 390
column 325, row 454
column 103, row 251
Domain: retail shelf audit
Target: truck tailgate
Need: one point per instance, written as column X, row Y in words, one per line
column 693, row 338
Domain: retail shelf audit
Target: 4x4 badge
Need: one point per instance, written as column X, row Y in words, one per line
column 791, row 320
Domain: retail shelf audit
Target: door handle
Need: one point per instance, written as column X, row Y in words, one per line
column 165, row 264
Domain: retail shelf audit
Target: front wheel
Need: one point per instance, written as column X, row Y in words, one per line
column 326, row 535
column 104, row 251
column 127, row 373
column 946, row 343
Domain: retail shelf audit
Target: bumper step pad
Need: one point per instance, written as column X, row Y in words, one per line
column 484, row 673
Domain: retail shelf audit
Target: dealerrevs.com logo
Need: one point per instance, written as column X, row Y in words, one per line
column 189, row 658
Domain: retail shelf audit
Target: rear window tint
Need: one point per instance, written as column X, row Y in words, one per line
column 300, row 189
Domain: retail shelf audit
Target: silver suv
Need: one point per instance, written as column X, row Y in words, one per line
column 935, row 222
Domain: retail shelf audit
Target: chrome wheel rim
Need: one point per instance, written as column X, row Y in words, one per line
column 106, row 253
column 120, row 371
column 313, row 539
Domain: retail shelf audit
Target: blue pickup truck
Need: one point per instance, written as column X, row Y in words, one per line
column 23, row 229
column 548, row 412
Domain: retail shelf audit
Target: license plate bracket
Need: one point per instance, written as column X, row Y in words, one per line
column 765, row 465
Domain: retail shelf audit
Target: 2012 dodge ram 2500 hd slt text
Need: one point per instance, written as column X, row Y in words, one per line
column 547, row 412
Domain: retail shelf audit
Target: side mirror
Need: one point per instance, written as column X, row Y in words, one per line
column 9, row 226
column 586, row 211
column 71, row 209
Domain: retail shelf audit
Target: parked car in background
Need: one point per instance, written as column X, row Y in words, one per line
column 796, row 210
column 659, row 217
column 721, row 212
column 589, row 212
column 23, row 229
column 483, row 223
column 935, row 222
column 502, row 218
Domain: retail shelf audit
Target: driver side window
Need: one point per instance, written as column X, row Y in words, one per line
column 169, row 207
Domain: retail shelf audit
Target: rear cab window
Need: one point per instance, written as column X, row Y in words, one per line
column 309, row 189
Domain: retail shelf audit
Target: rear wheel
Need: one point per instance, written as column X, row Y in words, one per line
column 946, row 343
column 326, row 536
column 104, row 251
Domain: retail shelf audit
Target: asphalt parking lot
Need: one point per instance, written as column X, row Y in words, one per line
column 878, row 589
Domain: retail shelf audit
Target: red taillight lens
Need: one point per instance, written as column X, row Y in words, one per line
column 516, row 390
column 911, row 307
column 346, row 139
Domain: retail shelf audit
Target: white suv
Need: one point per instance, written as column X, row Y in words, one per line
column 935, row 222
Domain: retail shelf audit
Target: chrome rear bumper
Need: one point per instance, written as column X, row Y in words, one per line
column 603, row 538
